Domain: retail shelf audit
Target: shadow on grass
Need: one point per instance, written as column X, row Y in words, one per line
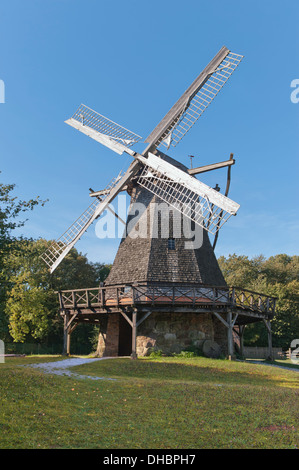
column 199, row 371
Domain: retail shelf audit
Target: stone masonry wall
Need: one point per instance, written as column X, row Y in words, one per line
column 174, row 332
column 167, row 332
column 109, row 336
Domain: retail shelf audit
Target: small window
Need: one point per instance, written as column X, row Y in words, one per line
column 171, row 243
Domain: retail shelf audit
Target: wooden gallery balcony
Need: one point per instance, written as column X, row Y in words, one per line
column 90, row 304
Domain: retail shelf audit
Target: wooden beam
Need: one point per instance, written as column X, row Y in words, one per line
column 73, row 327
column 228, row 179
column 234, row 320
column 221, row 319
column 127, row 318
column 134, row 334
column 64, row 351
column 67, row 335
column 102, row 192
column 230, row 343
column 212, row 166
column 143, row 318
column 97, row 195
column 241, row 335
column 269, row 331
column 70, row 321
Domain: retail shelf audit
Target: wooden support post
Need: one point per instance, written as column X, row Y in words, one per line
column 270, row 350
column 230, row 344
column 67, row 330
column 241, row 335
column 66, row 336
column 68, row 343
column 134, row 334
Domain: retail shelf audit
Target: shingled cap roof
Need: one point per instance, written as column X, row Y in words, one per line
column 150, row 259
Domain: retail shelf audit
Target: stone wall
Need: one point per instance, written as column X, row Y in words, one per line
column 108, row 336
column 166, row 332
column 174, row 332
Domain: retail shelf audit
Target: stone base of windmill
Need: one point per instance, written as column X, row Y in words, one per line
column 174, row 332
column 167, row 333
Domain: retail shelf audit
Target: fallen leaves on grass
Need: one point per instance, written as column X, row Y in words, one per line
column 275, row 427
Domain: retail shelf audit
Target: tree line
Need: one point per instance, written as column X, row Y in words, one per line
column 29, row 304
column 276, row 276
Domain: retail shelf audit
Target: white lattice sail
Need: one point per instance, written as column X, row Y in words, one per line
column 203, row 98
column 59, row 248
column 196, row 200
column 103, row 130
column 191, row 105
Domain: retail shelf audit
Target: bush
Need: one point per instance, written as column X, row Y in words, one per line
column 184, row 354
column 156, row 353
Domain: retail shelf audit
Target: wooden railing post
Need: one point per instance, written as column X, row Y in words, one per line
column 60, row 300
column 103, row 298
column 133, row 295
column 74, row 299
column 117, row 299
column 233, row 296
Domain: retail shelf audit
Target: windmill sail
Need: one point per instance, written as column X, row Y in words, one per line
column 191, row 105
column 194, row 199
column 207, row 207
column 103, row 130
column 60, row 248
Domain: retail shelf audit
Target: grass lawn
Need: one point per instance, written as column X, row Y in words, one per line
column 163, row 403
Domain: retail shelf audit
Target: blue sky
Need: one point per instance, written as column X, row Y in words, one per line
column 131, row 61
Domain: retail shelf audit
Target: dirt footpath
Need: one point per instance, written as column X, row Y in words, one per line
column 62, row 367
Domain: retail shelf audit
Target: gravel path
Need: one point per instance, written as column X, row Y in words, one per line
column 62, row 367
column 293, row 369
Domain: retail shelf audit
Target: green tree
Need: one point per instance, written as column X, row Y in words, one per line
column 32, row 302
column 11, row 210
column 28, row 302
column 277, row 276
column 240, row 271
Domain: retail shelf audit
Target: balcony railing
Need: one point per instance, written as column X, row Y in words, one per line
column 158, row 295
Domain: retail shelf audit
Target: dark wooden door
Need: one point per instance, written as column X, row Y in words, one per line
column 125, row 337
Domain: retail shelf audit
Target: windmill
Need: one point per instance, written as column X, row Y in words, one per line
column 161, row 265
column 177, row 188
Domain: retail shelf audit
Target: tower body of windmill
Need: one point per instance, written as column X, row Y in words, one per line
column 163, row 292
